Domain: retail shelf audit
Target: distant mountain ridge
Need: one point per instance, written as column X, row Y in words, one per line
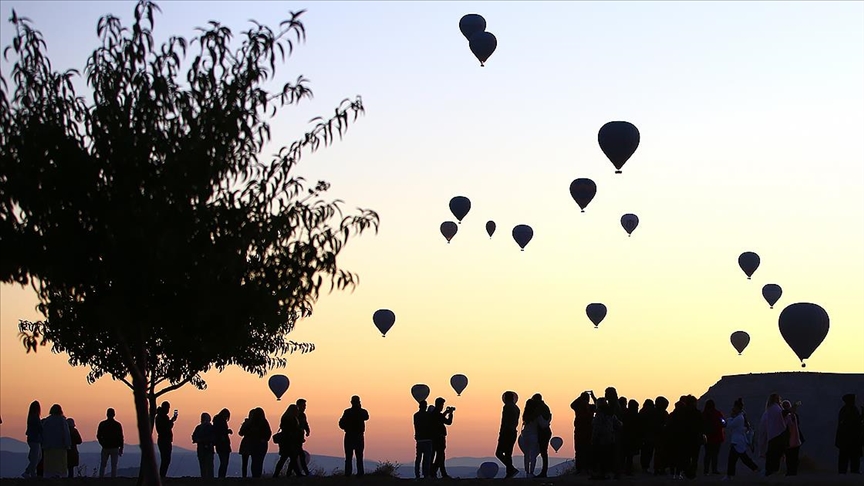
column 184, row 463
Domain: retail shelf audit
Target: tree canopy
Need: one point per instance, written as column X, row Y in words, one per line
column 160, row 242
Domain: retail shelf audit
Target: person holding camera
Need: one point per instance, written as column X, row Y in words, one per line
column 164, row 436
column 440, row 420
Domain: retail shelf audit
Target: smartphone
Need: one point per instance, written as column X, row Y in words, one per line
column 175, row 412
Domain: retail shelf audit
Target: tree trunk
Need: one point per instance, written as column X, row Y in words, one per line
column 148, row 472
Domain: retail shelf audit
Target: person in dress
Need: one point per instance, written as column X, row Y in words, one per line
column 56, row 442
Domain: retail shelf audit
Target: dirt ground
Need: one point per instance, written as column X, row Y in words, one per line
column 816, row 479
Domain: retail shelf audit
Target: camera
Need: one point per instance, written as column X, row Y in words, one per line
column 450, row 409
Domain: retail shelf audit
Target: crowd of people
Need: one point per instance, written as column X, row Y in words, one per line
column 609, row 433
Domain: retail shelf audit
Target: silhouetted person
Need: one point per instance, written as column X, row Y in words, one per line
column 714, row 423
column 222, row 440
column 614, row 401
column 507, row 433
column 793, row 428
column 353, row 422
column 604, row 430
column 204, row 438
column 849, row 436
column 774, row 438
column 34, row 439
column 73, row 458
column 56, row 442
column 582, row 423
column 290, row 440
column 631, row 435
column 164, row 436
column 739, row 427
column 109, row 434
column 423, row 437
column 544, row 432
column 648, row 429
column 663, row 447
column 527, row 439
column 304, row 426
column 256, row 432
column 441, row 418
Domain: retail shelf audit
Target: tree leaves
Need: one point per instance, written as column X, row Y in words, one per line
column 156, row 239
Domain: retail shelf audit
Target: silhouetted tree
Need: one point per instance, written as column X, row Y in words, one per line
column 159, row 244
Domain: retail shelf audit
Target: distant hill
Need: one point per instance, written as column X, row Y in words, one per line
column 13, row 460
column 820, row 395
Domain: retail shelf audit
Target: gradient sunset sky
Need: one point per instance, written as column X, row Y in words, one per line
column 752, row 124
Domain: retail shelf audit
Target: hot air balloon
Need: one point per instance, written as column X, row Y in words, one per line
column 629, row 222
column 582, row 191
column 459, row 206
column 384, row 320
column 490, row 228
column 278, row 385
column 740, row 340
column 471, row 24
column 772, row 293
column 420, row 392
column 749, row 262
column 483, row 44
column 556, row 443
column 522, row 234
column 618, row 140
column 458, row 382
column 448, row 230
column 804, row 327
column 596, row 312
column 487, row 470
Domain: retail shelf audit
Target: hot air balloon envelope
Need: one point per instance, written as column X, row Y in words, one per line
column 459, row 206
column 490, row 228
column 596, row 312
column 772, row 293
column 522, row 234
column 278, row 385
column 420, row 392
column 384, row 320
column 618, row 140
column 471, row 24
column 629, row 222
column 458, row 382
column 582, row 191
column 487, row 470
column 749, row 262
column 556, row 443
column 740, row 340
column 804, row 327
column 449, row 230
column 483, row 44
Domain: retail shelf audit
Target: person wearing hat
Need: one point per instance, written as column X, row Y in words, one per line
column 353, row 422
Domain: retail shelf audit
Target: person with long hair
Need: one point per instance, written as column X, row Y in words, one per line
column 256, row 432
column 773, row 434
column 34, row 439
column 290, row 440
column 222, row 440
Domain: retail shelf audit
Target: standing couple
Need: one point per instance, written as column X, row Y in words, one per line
column 535, row 436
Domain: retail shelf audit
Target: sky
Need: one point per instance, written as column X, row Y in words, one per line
column 751, row 117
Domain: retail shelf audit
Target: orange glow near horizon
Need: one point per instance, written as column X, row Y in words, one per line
column 749, row 142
